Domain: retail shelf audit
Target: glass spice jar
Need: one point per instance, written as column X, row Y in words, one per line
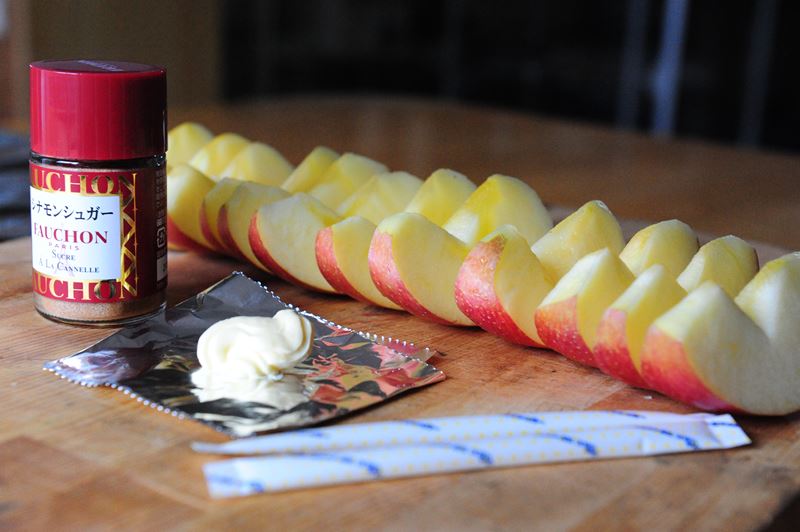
column 98, row 190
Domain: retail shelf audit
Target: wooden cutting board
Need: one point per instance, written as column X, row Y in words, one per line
column 73, row 456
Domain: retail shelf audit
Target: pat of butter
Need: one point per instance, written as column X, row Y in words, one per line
column 251, row 347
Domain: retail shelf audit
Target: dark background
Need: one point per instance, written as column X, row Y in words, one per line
column 557, row 58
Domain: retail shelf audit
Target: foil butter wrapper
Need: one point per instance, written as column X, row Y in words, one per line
column 153, row 361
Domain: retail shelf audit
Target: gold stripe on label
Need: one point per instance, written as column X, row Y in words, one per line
column 128, row 284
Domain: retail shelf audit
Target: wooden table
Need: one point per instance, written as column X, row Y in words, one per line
column 77, row 457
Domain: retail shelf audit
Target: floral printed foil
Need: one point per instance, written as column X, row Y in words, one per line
column 153, row 360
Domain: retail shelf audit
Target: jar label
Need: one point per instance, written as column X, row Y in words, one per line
column 98, row 236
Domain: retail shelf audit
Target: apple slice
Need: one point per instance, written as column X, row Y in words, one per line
column 568, row 316
column 342, row 249
column 184, row 141
column 283, row 235
column 414, row 262
column 590, row 228
column 310, row 170
column 671, row 243
column 209, row 211
column 381, row 196
column 622, row 328
column 729, row 261
column 260, row 163
column 236, row 213
column 214, row 157
column 186, row 188
column 342, row 256
column 344, row 177
column 441, row 195
column 500, row 200
column 713, row 354
column 500, row 285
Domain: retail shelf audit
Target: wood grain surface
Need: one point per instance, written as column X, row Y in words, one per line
column 80, row 458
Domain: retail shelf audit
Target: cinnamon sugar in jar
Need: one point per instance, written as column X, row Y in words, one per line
column 98, row 190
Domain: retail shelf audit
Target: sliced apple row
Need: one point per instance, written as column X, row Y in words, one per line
column 655, row 313
column 223, row 180
column 412, row 258
column 613, row 309
column 277, row 228
column 342, row 249
column 720, row 353
column 638, row 316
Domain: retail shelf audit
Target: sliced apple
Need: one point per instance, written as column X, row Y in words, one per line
column 310, row 170
column 184, row 141
column 260, row 163
column 441, row 195
column 590, row 228
column 622, row 328
column 568, row 316
column 500, row 285
column 342, row 256
column 342, row 249
column 186, row 188
column 283, row 235
column 381, row 196
column 236, row 213
column 771, row 300
column 214, row 157
column 414, row 262
column 500, row 200
column 344, row 177
column 209, row 211
column 708, row 352
column 671, row 243
column 729, row 261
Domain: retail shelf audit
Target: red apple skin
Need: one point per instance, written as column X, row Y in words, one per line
column 228, row 243
column 263, row 255
column 326, row 261
column 177, row 239
column 387, row 278
column 667, row 369
column 206, row 229
column 558, row 329
column 611, row 349
column 476, row 298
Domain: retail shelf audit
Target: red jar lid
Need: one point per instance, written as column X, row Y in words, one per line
column 98, row 110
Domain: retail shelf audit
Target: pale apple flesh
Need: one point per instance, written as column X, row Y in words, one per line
column 441, row 195
column 214, row 157
column 260, row 163
column 670, row 243
column 344, row 177
column 622, row 329
column 326, row 260
column 500, row 200
column 500, row 284
column 414, row 263
column 590, row 228
column 213, row 202
column 186, row 189
column 729, row 261
column 236, row 213
column 381, row 196
column 568, row 317
column 184, row 140
column 310, row 170
column 283, row 237
column 342, row 256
